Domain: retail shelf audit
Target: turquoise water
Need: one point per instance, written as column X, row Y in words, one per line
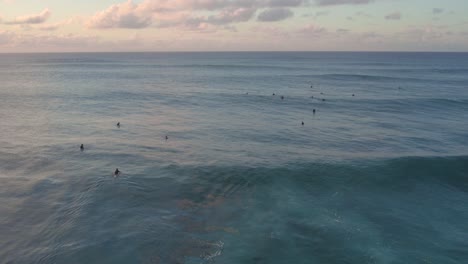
column 378, row 177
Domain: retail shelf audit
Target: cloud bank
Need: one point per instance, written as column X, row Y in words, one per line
column 234, row 25
column 125, row 15
column 31, row 19
column 200, row 13
column 342, row 2
column 188, row 13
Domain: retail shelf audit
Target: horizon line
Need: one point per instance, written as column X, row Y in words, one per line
column 233, row 51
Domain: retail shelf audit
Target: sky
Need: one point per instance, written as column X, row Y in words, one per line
column 233, row 25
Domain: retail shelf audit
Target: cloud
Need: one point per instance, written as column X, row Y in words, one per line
column 271, row 31
column 55, row 26
column 342, row 2
column 359, row 14
column 393, row 16
column 6, row 37
column 68, row 40
column 189, row 13
column 317, row 14
column 275, row 14
column 24, row 42
column 312, row 30
column 49, row 27
column 371, row 35
column 124, row 15
column 162, row 6
column 230, row 28
column 282, row 3
column 437, row 11
column 231, row 15
column 419, row 34
column 31, row 19
column 209, row 23
column 363, row 14
column 321, row 13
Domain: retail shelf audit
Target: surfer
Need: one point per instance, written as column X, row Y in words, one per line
column 313, row 111
column 118, row 124
column 302, row 122
column 167, row 137
column 116, row 172
column 81, row 147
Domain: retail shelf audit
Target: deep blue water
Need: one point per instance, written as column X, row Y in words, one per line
column 378, row 177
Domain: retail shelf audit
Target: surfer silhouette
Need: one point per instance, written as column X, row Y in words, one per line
column 116, row 172
column 81, row 147
column 118, row 124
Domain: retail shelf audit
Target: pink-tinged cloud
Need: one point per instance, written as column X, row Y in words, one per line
column 393, row 16
column 342, row 2
column 275, row 14
column 54, row 26
column 31, row 19
column 162, row 6
column 272, row 31
column 221, row 4
column 283, row 3
column 49, row 27
column 371, row 36
column 68, row 41
column 125, row 15
column 166, row 12
column 6, row 37
column 312, row 30
column 211, row 23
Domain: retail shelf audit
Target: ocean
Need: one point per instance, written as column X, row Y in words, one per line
column 378, row 174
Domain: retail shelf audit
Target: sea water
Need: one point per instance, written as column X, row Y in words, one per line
column 379, row 174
